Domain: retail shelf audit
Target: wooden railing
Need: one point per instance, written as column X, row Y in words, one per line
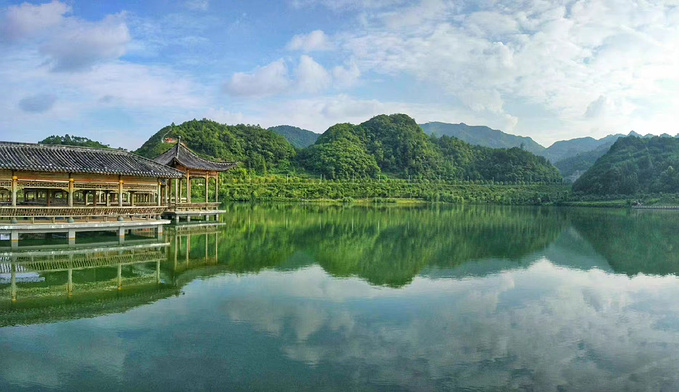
column 193, row 206
column 79, row 212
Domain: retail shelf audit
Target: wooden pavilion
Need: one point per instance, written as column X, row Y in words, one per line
column 67, row 177
column 193, row 167
column 66, row 189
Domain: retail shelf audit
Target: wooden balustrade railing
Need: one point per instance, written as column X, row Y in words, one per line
column 193, row 206
column 73, row 212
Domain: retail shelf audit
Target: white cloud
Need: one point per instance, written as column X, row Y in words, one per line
column 347, row 76
column 267, row 80
column 273, row 79
column 557, row 57
column 311, row 76
column 82, row 45
column 199, row 5
column 27, row 20
column 69, row 44
column 314, row 41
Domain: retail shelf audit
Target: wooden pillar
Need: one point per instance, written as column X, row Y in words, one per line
column 159, row 193
column 70, row 192
column 49, row 197
column 179, row 195
column 207, row 183
column 176, row 190
column 131, row 197
column 217, row 188
column 120, row 193
column 14, row 191
column 188, row 187
column 108, row 198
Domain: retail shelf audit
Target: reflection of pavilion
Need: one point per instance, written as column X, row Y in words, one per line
column 194, row 246
column 66, row 282
column 34, row 267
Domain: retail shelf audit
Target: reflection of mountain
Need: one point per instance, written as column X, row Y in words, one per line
column 384, row 246
column 568, row 250
column 632, row 241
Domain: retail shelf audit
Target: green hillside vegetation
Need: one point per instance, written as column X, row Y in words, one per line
column 254, row 147
column 481, row 136
column 384, row 157
column 399, row 148
column 572, row 168
column 68, row 140
column 634, row 166
column 298, row 137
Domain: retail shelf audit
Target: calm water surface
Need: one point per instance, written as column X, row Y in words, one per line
column 330, row 298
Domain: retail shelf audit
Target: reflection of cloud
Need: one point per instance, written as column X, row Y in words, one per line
column 545, row 327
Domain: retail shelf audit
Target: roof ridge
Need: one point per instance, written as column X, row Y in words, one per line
column 65, row 147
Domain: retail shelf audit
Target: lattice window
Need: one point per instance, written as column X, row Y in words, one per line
column 96, row 186
column 42, row 184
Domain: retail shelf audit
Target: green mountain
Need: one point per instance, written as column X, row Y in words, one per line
column 572, row 168
column 482, row 136
column 632, row 166
column 68, row 140
column 393, row 145
column 298, row 137
column 570, row 148
column 255, row 147
column 397, row 146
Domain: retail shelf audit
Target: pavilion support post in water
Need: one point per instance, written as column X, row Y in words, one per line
column 120, row 276
column 14, row 282
column 69, row 285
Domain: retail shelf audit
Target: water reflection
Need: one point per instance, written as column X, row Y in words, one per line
column 309, row 297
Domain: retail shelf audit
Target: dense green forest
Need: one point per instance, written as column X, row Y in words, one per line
column 68, row 140
column 298, row 137
column 393, row 146
column 256, row 148
column 634, row 166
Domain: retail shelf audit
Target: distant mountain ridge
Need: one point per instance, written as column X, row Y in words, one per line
column 298, row 137
column 481, row 135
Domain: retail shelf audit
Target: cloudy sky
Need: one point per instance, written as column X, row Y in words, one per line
column 118, row 71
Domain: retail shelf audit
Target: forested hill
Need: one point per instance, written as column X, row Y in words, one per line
column 254, row 147
column 68, row 140
column 395, row 145
column 298, row 137
column 481, row 136
column 565, row 149
column 632, row 166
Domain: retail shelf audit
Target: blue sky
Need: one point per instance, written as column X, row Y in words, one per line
column 117, row 71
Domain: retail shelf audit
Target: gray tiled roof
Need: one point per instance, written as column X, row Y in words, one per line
column 69, row 159
column 180, row 154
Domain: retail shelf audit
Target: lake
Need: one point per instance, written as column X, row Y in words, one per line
column 309, row 297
